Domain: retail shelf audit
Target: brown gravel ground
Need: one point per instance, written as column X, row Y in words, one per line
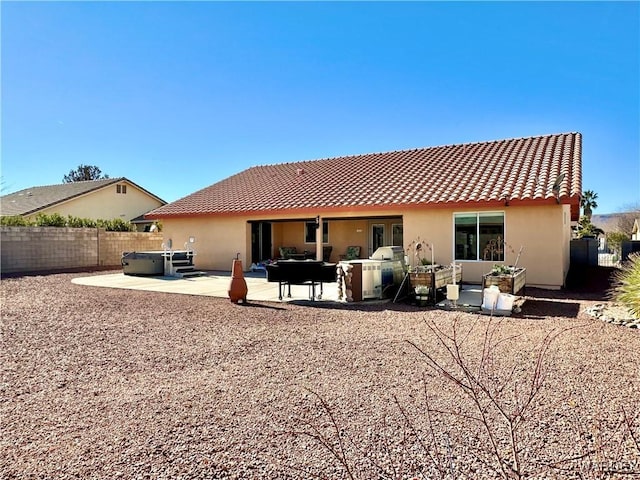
column 106, row 383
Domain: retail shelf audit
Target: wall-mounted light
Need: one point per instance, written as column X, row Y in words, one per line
column 318, row 222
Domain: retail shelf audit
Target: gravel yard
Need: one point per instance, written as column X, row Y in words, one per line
column 107, row 383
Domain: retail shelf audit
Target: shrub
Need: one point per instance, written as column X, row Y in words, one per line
column 615, row 240
column 626, row 285
column 116, row 225
column 15, row 221
column 77, row 222
column 53, row 220
column 57, row 220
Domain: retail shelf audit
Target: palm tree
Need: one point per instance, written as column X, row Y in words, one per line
column 588, row 202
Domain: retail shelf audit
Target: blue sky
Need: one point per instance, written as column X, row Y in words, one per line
column 177, row 96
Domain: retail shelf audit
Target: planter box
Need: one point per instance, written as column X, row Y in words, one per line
column 512, row 284
column 438, row 278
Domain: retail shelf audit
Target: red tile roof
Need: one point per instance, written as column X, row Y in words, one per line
column 518, row 171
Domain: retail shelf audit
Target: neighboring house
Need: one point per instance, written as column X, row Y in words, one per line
column 635, row 231
column 460, row 198
column 616, row 222
column 95, row 199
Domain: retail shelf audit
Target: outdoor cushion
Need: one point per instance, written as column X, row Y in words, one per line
column 353, row 252
column 285, row 252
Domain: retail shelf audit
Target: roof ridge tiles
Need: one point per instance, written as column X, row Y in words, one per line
column 415, row 149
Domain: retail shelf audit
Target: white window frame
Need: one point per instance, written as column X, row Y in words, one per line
column 477, row 213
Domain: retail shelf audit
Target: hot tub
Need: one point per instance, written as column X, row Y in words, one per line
column 143, row 263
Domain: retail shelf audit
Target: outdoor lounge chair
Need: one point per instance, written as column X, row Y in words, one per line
column 352, row 253
column 286, row 252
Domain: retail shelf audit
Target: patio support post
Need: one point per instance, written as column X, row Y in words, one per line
column 319, row 238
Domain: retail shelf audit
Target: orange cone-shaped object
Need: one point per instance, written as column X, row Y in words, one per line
column 238, row 287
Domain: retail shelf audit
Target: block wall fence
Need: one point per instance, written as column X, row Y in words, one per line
column 33, row 249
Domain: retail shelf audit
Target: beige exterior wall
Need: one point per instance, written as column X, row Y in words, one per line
column 217, row 239
column 342, row 234
column 543, row 232
column 107, row 204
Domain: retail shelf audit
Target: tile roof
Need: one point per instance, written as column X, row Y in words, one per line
column 475, row 174
column 33, row 199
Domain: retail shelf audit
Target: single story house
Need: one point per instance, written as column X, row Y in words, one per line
column 475, row 203
column 104, row 199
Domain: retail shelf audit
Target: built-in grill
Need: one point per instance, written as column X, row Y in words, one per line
column 373, row 276
column 392, row 264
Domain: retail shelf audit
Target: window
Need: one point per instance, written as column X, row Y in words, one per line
column 121, row 189
column 479, row 236
column 396, row 234
column 377, row 236
column 310, row 232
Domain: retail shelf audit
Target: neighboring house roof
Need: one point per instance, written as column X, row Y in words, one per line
column 522, row 170
column 33, row 199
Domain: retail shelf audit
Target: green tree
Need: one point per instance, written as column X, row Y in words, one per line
column 588, row 202
column 587, row 229
column 83, row 173
column 615, row 241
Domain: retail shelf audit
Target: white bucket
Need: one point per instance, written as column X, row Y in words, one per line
column 453, row 292
column 505, row 301
column 490, row 297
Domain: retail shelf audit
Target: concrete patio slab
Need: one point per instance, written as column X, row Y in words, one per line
column 216, row 284
column 213, row 284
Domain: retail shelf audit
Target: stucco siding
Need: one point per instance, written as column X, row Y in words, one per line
column 107, row 204
column 542, row 232
column 217, row 240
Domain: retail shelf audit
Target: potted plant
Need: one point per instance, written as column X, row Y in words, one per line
column 422, row 294
column 509, row 279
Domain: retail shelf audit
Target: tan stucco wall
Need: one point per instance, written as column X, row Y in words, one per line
column 543, row 232
column 106, row 204
column 342, row 233
column 217, row 240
